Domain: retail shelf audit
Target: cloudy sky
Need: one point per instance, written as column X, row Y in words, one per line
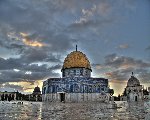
column 36, row 36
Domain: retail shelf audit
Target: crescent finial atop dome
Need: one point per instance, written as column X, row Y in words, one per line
column 132, row 73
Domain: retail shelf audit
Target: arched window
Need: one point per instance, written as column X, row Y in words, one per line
column 86, row 89
column 81, row 72
column 44, row 91
column 57, row 88
column 53, row 88
column 68, row 73
column 102, row 89
column 76, row 88
column 74, row 72
column 90, row 88
column 82, row 88
column 49, row 89
column 71, row 88
column 98, row 88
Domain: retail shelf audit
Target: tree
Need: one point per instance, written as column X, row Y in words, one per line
column 9, row 97
column 124, row 93
column 119, row 97
column 111, row 92
column 13, row 96
column 145, row 92
column 6, row 97
column 2, row 97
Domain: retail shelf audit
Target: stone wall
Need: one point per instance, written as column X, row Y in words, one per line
column 76, row 97
column 134, row 93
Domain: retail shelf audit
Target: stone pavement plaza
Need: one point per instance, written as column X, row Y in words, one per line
column 73, row 111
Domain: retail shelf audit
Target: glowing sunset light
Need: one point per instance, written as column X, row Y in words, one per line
column 23, row 34
column 33, row 43
column 29, row 42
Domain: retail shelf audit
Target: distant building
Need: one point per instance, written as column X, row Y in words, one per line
column 146, row 94
column 8, row 96
column 36, row 95
column 134, row 91
column 76, row 84
column 36, row 91
column 123, row 98
column 131, row 92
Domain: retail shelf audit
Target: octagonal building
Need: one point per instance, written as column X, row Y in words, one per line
column 76, row 84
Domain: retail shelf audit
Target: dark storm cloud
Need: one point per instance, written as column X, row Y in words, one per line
column 38, row 55
column 17, row 87
column 17, row 69
column 28, row 73
column 36, row 18
column 49, row 20
column 144, row 75
column 124, row 74
column 122, row 61
column 117, row 75
column 20, row 63
column 7, row 64
column 119, row 68
column 89, row 25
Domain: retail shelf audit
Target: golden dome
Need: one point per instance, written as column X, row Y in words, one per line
column 76, row 59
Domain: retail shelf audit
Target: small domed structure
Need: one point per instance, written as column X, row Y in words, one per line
column 37, row 90
column 134, row 90
column 133, row 81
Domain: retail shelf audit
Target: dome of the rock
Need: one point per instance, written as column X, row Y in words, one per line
column 76, row 59
column 76, row 83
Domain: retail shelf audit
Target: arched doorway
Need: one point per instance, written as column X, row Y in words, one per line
column 135, row 98
column 62, row 97
column 76, row 88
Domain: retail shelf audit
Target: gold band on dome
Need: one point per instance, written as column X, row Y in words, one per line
column 76, row 59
